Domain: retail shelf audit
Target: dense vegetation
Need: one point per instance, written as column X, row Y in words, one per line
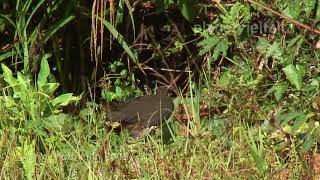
column 246, row 83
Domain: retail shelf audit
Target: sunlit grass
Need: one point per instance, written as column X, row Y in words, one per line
column 233, row 141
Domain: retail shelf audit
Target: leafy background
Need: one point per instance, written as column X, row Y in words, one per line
column 246, row 86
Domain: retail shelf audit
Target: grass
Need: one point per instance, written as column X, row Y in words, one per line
column 233, row 143
column 227, row 129
column 259, row 119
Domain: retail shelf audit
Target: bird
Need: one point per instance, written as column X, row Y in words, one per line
column 141, row 114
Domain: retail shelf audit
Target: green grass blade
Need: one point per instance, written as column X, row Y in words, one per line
column 33, row 12
column 7, row 55
column 130, row 10
column 121, row 41
column 57, row 26
column 9, row 20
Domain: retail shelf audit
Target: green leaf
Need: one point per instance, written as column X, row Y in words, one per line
column 44, row 72
column 235, row 18
column 221, row 47
column 318, row 13
column 293, row 9
column 299, row 123
column 8, row 77
column 307, row 145
column 56, row 122
column 49, row 88
column 270, row 50
column 295, row 75
column 315, row 84
column 132, row 54
column 64, row 100
column 7, row 55
column 216, row 126
column 309, row 6
column 2, row 25
column 108, row 95
column 119, row 91
column 130, row 11
column 120, row 39
column 28, row 158
column 257, row 152
column 207, row 44
column 285, row 118
column 225, row 79
column 8, row 102
column 295, row 40
column 279, row 90
column 188, row 9
column 275, row 51
column 54, row 28
column 23, row 82
column 123, row 73
column 263, row 44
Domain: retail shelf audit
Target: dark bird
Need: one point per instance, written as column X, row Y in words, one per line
column 141, row 114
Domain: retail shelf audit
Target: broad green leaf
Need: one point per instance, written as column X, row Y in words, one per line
column 64, row 100
column 49, row 88
column 44, row 72
column 299, row 123
column 216, row 126
column 295, row 75
column 23, row 92
column 123, row 73
column 8, row 77
column 119, row 91
column 285, row 118
column 56, row 122
column 23, row 82
column 109, row 96
column 301, row 70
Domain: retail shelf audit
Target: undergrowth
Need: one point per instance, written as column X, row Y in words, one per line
column 252, row 112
